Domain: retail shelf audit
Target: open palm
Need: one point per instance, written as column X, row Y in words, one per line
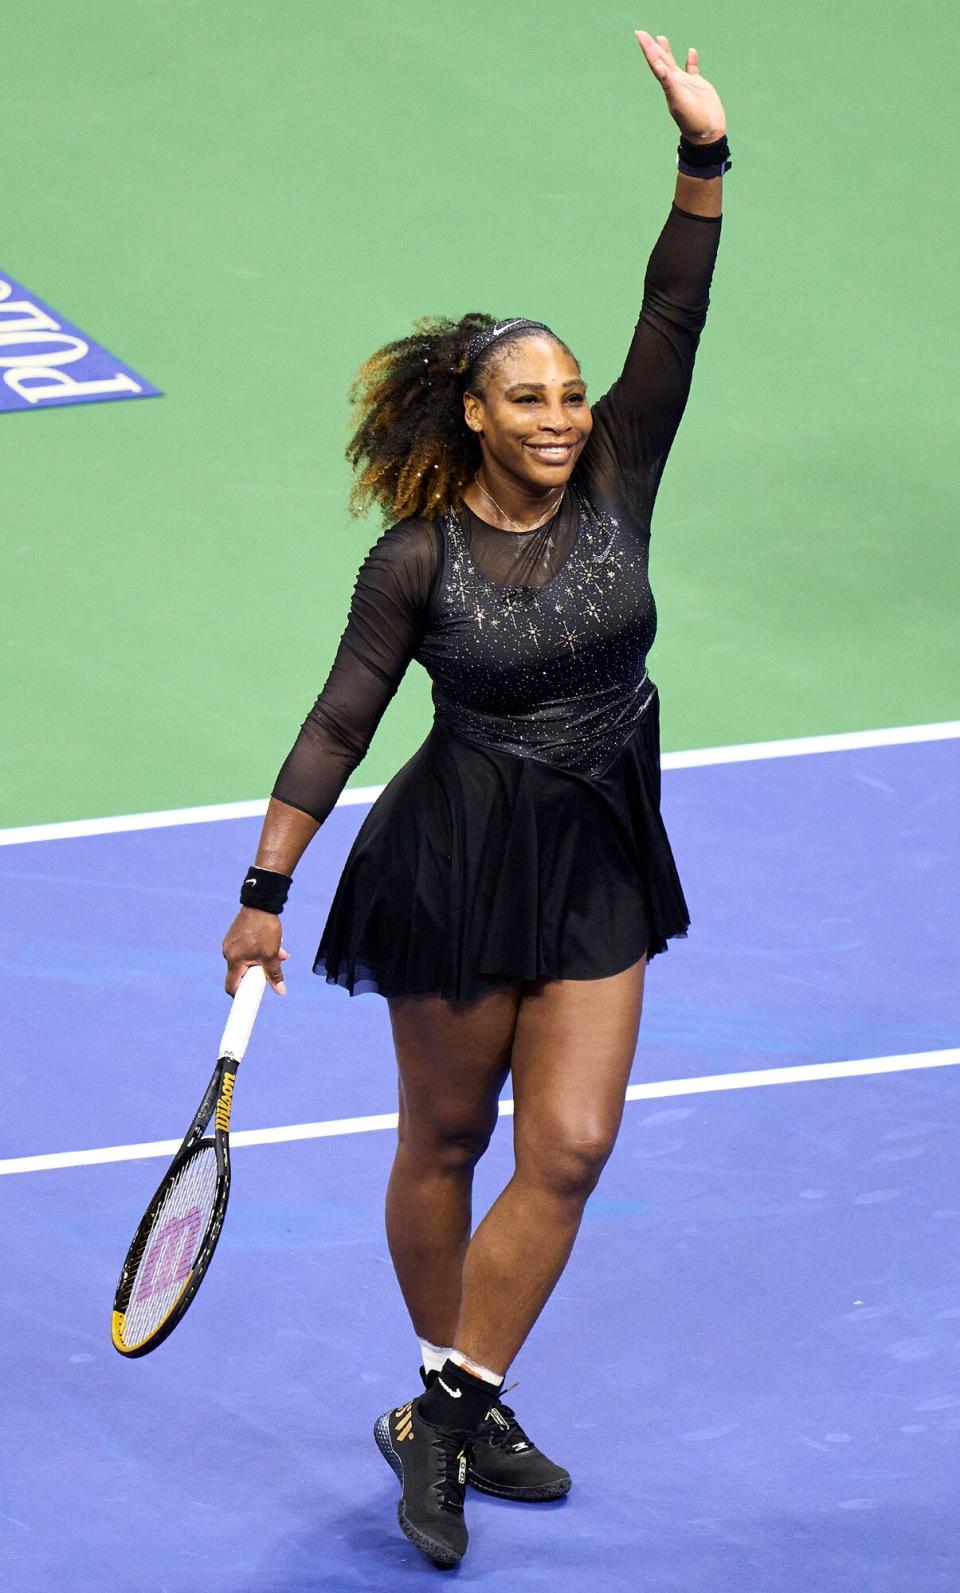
column 694, row 103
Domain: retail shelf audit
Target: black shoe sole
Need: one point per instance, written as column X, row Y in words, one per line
column 546, row 1490
column 437, row 1553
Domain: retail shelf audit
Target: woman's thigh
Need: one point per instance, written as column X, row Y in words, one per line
column 452, row 1059
column 573, row 1048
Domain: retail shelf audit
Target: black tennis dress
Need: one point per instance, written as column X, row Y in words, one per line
column 523, row 839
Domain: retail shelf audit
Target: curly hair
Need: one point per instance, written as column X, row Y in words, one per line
column 411, row 449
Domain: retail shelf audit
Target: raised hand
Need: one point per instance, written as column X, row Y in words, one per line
column 693, row 103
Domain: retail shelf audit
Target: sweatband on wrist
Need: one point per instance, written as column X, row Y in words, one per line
column 265, row 888
column 703, row 160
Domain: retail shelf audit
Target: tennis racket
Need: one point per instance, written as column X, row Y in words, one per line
column 173, row 1246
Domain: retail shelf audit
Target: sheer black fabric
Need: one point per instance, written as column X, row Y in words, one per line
column 621, row 466
column 384, row 627
column 556, row 671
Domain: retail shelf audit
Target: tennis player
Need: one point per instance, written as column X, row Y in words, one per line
column 512, row 881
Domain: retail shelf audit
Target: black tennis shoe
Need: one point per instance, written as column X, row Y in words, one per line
column 505, row 1462
column 432, row 1464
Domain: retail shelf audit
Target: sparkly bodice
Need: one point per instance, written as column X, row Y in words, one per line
column 555, row 671
column 536, row 643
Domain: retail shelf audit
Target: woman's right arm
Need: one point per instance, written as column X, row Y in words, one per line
column 382, row 634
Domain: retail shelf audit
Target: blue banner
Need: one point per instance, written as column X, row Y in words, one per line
column 46, row 360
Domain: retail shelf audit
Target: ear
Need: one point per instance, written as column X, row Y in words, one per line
column 473, row 411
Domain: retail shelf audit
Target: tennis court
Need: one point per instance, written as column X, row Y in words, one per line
column 771, row 1250
column 752, row 1362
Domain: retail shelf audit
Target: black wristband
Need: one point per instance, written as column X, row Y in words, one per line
column 266, row 889
column 703, row 160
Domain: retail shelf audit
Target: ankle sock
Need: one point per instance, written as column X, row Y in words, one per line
column 477, row 1370
column 434, row 1355
column 457, row 1398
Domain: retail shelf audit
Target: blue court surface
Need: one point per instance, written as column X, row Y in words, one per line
column 752, row 1363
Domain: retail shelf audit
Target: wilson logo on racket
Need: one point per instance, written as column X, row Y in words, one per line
column 170, row 1254
column 225, row 1103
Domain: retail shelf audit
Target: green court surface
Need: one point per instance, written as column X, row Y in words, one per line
column 243, row 200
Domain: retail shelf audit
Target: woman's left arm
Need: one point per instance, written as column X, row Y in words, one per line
column 641, row 412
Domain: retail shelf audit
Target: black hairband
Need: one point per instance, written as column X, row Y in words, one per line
column 483, row 339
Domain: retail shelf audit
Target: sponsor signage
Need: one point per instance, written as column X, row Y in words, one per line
column 46, row 360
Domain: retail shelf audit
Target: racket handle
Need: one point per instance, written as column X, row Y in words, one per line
column 243, row 1012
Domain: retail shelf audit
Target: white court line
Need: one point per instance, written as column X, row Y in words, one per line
column 70, row 829
column 800, row 746
column 748, row 752
column 803, row 1074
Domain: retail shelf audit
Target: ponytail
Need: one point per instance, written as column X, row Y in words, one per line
column 411, row 446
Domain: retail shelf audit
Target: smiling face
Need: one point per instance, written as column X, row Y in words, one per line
column 531, row 414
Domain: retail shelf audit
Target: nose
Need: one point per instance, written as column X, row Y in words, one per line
column 557, row 420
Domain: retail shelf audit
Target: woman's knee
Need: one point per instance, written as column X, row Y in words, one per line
column 565, row 1163
column 448, row 1145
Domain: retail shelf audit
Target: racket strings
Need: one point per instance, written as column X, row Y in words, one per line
column 171, row 1246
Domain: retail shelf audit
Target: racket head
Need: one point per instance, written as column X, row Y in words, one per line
column 173, row 1246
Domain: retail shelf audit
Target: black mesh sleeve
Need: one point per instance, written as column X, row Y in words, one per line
column 636, row 421
column 384, row 627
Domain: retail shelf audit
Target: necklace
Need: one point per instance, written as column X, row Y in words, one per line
column 516, row 527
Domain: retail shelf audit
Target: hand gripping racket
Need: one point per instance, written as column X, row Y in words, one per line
column 173, row 1246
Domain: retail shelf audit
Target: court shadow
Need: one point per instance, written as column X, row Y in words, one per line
column 363, row 1547
column 357, row 1549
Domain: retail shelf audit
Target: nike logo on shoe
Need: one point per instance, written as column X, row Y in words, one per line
column 455, row 1393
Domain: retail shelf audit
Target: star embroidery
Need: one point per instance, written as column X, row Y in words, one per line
column 511, row 607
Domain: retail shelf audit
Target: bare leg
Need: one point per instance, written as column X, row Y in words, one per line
column 452, row 1059
column 572, row 1052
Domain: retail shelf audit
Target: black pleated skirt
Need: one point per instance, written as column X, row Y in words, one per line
column 475, row 866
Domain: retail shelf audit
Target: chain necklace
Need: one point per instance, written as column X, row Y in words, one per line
column 516, row 527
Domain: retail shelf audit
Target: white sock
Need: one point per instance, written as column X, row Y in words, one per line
column 433, row 1356
column 475, row 1367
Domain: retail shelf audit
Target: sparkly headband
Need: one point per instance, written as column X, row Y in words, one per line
column 489, row 335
